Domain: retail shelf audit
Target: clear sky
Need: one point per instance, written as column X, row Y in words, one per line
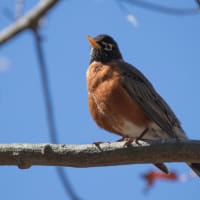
column 164, row 47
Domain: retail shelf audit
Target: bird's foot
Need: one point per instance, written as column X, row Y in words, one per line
column 141, row 136
column 97, row 143
column 127, row 140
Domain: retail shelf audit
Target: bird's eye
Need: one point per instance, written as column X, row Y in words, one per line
column 107, row 46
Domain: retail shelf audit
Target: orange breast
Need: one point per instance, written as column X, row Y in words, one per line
column 109, row 103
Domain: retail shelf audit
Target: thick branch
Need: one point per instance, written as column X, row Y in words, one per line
column 27, row 21
column 106, row 154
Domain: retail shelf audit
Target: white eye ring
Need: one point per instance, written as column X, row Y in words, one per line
column 107, row 46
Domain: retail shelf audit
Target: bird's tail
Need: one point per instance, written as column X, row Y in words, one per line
column 195, row 167
column 162, row 167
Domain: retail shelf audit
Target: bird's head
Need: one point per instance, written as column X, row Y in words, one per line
column 103, row 49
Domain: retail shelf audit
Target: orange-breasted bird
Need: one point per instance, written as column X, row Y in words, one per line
column 123, row 101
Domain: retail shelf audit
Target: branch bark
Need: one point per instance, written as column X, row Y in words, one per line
column 106, row 154
column 27, row 21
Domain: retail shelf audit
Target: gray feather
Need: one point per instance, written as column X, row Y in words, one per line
column 143, row 92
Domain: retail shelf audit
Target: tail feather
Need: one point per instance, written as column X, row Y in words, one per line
column 162, row 167
column 195, row 167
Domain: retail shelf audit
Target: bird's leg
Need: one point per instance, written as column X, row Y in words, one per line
column 122, row 139
column 141, row 135
column 129, row 140
column 97, row 143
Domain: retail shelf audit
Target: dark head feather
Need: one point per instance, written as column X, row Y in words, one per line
column 108, row 50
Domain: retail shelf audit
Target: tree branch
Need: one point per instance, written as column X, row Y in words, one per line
column 106, row 154
column 27, row 21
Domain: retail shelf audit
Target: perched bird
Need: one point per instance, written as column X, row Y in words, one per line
column 122, row 100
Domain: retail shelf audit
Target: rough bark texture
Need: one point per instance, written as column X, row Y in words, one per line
column 106, row 154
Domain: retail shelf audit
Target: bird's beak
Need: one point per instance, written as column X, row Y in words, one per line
column 93, row 43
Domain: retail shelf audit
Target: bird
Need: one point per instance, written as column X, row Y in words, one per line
column 123, row 101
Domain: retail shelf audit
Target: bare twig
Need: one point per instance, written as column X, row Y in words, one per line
column 45, row 87
column 198, row 2
column 162, row 9
column 63, row 177
column 106, row 154
column 31, row 21
column 27, row 21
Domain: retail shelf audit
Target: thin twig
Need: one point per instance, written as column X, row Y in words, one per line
column 63, row 177
column 198, row 2
column 161, row 8
column 45, row 88
column 30, row 21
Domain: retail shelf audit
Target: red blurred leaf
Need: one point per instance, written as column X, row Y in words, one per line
column 152, row 176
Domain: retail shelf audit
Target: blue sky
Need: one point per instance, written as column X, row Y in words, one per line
column 164, row 47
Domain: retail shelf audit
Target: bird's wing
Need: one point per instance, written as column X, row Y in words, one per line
column 142, row 91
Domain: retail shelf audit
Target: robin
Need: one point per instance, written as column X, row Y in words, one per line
column 123, row 101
